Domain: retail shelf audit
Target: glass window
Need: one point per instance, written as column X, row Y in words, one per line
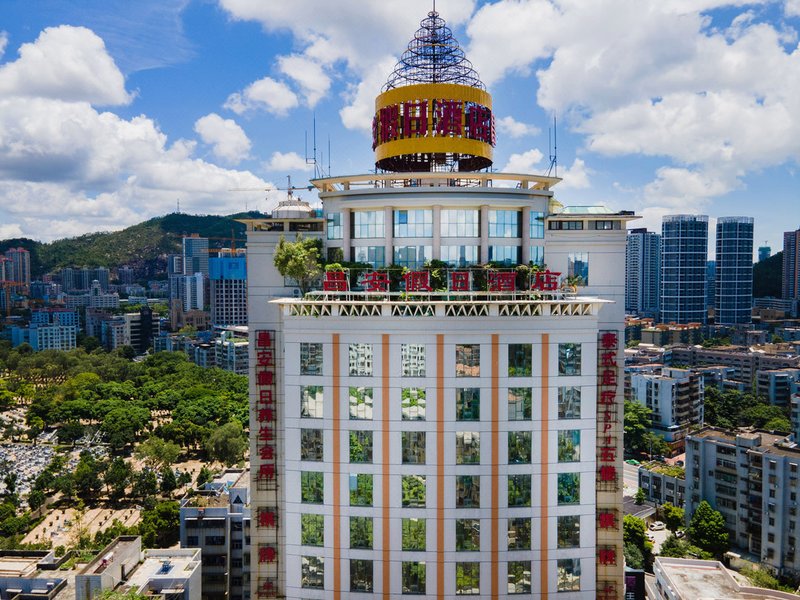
column 468, row 491
column 413, row 491
column 360, row 360
column 519, row 534
column 519, row 577
column 569, row 359
column 360, row 575
column 537, row 255
column 334, row 223
column 519, row 360
column 360, row 489
column 569, row 445
column 460, row 256
column 310, row 358
column 468, row 448
column 311, row 401
column 361, row 403
column 468, row 578
column 413, row 223
column 361, row 532
column 569, row 531
column 505, row 255
column 468, row 535
column 468, row 404
column 565, row 225
column 519, row 490
column 459, row 223
column 537, row 225
column 578, row 267
column 504, row 224
column 312, row 487
column 412, row 360
column 312, row 530
column 413, row 577
column 360, row 446
column 413, row 451
column 569, row 488
column 520, row 404
column 569, row 574
column 519, row 447
column 413, row 534
column 312, row 572
column 468, row 360
column 569, row 402
column 311, row 444
column 371, row 255
column 413, row 404
column 367, row 224
column 412, row 257
column 603, row 225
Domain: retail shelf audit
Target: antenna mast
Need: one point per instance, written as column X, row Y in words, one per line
column 552, row 136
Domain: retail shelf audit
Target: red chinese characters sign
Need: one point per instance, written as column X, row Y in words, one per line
column 429, row 118
column 607, row 406
column 266, row 462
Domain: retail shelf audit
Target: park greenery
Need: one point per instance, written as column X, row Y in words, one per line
column 638, row 550
column 155, row 411
column 730, row 409
column 638, row 438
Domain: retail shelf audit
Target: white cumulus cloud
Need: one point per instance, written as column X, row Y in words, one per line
column 265, row 94
column 66, row 63
column 287, row 161
column 792, row 8
column 308, row 74
column 229, row 141
column 3, row 42
column 102, row 171
column 516, row 129
column 575, row 177
column 525, row 162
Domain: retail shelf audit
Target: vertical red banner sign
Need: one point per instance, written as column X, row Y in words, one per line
column 266, row 463
column 608, row 474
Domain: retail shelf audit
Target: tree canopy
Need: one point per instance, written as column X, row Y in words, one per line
column 707, row 530
column 300, row 260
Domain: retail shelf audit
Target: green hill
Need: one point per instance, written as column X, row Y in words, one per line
column 135, row 245
column 768, row 276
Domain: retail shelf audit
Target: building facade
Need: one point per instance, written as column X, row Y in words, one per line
column 684, row 252
column 195, row 255
column 447, row 433
column 642, row 272
column 675, row 397
column 228, row 276
column 733, row 299
column 791, row 265
column 752, row 480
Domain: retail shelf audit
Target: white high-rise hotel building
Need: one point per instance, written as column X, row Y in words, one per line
column 462, row 435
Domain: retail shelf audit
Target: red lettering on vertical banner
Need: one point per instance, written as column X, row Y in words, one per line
column 265, row 461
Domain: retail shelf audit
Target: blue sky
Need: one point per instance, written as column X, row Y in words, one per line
column 111, row 111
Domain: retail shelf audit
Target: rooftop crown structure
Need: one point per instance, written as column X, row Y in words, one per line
column 434, row 113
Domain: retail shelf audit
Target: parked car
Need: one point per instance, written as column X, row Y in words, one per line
column 680, row 533
column 657, row 526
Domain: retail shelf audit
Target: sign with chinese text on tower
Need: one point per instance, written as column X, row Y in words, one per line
column 609, row 470
column 417, row 126
column 266, row 464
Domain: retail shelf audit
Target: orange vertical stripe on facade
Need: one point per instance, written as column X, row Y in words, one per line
column 545, row 399
column 495, row 466
column 337, row 471
column 385, row 411
column 440, row 466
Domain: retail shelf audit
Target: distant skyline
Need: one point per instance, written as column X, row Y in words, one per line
column 111, row 111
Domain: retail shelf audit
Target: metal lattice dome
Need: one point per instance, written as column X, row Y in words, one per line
column 433, row 56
